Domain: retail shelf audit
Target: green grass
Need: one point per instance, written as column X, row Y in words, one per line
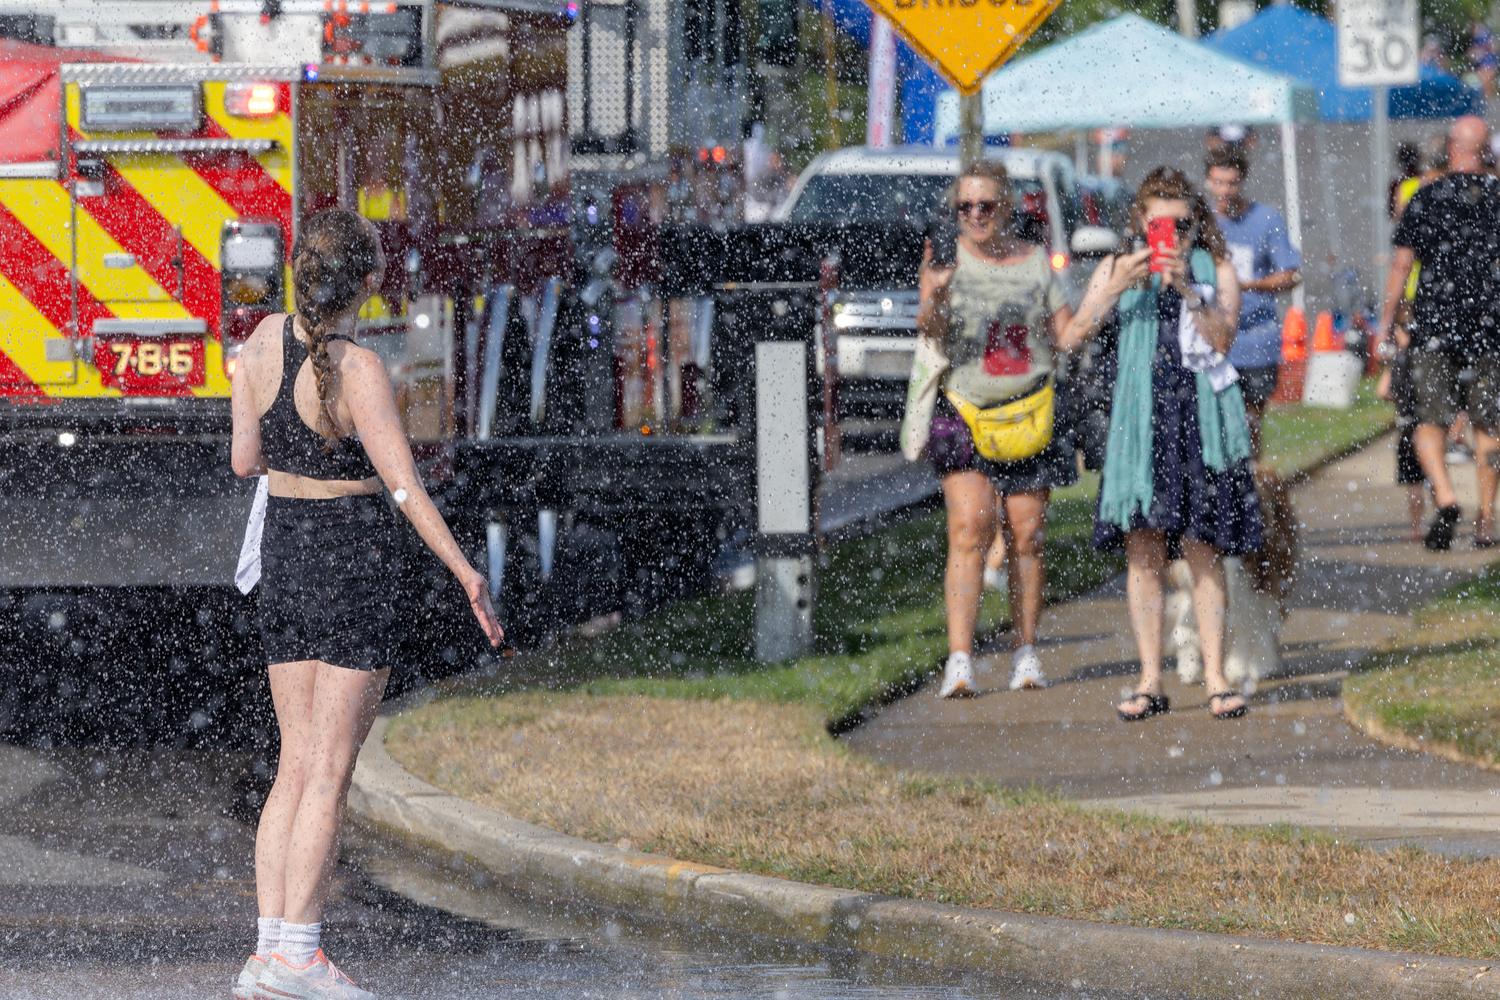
column 878, row 615
column 1298, row 438
column 878, row 623
column 1439, row 685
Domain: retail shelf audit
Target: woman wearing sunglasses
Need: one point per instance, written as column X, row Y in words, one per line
column 1176, row 479
column 996, row 313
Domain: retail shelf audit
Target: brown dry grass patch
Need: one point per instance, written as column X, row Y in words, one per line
column 762, row 788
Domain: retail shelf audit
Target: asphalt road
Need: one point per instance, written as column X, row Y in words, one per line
column 128, row 873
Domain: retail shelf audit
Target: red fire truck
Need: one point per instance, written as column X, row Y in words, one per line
column 152, row 179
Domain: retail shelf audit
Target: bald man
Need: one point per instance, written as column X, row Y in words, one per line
column 1452, row 227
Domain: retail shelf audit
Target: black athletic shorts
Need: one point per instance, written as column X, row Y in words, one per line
column 328, row 586
column 1258, row 385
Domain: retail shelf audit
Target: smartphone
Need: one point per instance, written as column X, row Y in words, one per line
column 1161, row 236
column 943, row 233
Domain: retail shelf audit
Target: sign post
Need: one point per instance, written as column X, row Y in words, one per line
column 1377, row 48
column 882, row 89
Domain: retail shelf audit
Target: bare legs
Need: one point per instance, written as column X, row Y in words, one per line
column 1025, row 530
column 970, row 500
column 324, row 714
column 1146, row 564
column 1431, row 444
column 1416, row 508
column 972, row 515
column 1254, row 415
column 1487, row 478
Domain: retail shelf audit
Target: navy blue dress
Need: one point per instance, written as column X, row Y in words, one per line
column 1188, row 499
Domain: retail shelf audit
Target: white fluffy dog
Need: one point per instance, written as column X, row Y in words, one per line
column 1252, row 650
column 1257, row 588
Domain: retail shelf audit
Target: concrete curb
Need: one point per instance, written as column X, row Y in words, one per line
column 535, row 861
column 1359, row 716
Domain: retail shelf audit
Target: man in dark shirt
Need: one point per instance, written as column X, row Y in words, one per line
column 1451, row 228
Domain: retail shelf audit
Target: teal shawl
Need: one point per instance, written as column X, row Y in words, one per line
column 1222, row 425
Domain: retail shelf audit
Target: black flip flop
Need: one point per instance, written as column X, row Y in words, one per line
column 1440, row 532
column 1156, row 704
column 1233, row 713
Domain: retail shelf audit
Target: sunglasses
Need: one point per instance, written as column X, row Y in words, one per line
column 982, row 207
column 1184, row 226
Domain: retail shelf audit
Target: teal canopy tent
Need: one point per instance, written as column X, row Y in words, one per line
column 1132, row 72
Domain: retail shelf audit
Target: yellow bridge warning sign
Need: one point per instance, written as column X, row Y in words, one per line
column 965, row 40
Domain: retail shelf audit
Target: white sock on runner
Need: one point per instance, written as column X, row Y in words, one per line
column 299, row 943
column 268, row 935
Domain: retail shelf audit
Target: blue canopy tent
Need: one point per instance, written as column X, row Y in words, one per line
column 1286, row 39
column 1304, row 46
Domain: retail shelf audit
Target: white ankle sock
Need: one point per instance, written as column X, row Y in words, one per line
column 268, row 935
column 299, row 943
column 1020, row 652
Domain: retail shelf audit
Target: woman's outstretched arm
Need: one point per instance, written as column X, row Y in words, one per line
column 372, row 405
column 1109, row 281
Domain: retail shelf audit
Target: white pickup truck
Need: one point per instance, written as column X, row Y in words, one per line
column 877, row 329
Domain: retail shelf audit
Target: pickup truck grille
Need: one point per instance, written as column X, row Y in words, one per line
column 876, row 311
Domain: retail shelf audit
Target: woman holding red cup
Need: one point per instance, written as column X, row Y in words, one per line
column 1176, row 480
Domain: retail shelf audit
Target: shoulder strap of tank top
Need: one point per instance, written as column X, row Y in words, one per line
column 290, row 361
column 339, row 336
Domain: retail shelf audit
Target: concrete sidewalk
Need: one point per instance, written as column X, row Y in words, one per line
column 1294, row 759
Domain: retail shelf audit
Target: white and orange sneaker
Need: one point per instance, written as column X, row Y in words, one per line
column 244, row 987
column 958, row 677
column 1026, row 670
column 320, row 980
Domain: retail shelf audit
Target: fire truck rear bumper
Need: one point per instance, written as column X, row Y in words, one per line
column 614, row 476
column 105, row 496
column 119, row 543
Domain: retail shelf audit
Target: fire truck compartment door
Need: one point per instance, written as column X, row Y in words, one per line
column 33, row 297
column 149, row 270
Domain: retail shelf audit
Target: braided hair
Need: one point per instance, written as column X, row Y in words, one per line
column 333, row 255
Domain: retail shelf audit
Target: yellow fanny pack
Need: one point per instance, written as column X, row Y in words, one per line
column 1011, row 431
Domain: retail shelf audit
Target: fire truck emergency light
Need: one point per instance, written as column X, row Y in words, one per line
column 252, row 100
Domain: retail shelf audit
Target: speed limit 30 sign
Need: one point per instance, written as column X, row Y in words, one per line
column 1377, row 43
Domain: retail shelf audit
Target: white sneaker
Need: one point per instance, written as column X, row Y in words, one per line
column 1026, row 669
column 318, row 981
column 958, row 677
column 244, row 987
column 996, row 578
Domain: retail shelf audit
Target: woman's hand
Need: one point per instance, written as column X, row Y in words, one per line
column 1174, row 269
column 933, row 308
column 1114, row 276
column 1126, row 271
column 478, row 589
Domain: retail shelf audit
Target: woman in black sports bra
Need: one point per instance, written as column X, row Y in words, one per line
column 317, row 413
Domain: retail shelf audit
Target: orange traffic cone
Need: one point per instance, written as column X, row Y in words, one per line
column 1323, row 337
column 1293, row 369
column 1294, row 335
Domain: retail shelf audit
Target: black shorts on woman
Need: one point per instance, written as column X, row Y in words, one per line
column 328, row 576
column 950, row 448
